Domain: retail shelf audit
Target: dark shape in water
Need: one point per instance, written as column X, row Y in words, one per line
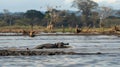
column 56, row 45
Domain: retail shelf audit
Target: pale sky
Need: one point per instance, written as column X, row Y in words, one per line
column 23, row 5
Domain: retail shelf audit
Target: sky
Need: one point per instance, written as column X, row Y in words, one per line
column 24, row 5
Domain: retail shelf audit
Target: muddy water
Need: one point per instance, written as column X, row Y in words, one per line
column 101, row 41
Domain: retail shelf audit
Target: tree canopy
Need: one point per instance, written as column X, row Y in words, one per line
column 32, row 14
column 85, row 6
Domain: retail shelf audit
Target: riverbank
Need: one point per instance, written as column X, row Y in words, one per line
column 42, row 31
column 20, row 29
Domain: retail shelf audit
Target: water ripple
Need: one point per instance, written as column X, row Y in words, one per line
column 102, row 41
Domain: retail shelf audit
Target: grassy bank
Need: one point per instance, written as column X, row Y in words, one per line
column 44, row 29
column 38, row 29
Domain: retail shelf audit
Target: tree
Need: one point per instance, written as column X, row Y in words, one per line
column 7, row 17
column 34, row 15
column 86, row 7
column 3, row 23
column 118, row 13
column 94, row 18
column 104, row 12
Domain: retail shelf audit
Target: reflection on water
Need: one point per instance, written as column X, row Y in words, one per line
column 107, row 60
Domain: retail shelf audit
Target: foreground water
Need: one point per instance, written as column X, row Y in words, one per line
column 101, row 41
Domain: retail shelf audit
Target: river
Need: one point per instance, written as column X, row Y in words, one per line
column 99, row 41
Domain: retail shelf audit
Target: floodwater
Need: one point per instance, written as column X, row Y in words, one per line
column 100, row 41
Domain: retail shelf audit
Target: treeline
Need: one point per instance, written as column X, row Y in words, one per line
column 66, row 18
column 34, row 17
column 86, row 16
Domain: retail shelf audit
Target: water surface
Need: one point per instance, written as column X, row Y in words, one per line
column 101, row 41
